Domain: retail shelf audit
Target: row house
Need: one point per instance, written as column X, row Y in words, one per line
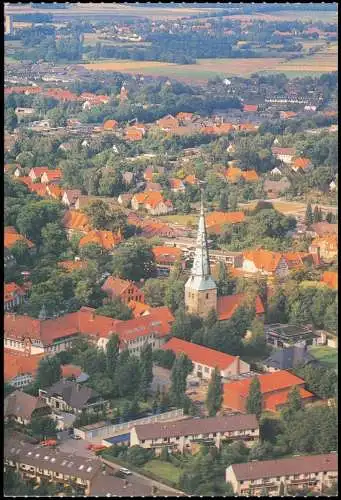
column 312, row 472
column 205, row 360
column 275, row 388
column 34, row 463
column 125, row 290
column 186, row 435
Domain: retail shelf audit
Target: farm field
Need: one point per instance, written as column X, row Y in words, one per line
column 326, row 355
column 200, row 72
column 289, row 15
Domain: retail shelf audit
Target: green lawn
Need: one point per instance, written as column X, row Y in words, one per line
column 164, row 470
column 180, row 219
column 326, row 355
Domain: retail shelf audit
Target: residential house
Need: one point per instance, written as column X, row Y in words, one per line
column 215, row 221
column 285, row 155
column 70, row 196
column 14, row 295
column 177, row 186
column 105, row 239
column 184, row 117
column 302, row 165
column 21, row 407
column 185, row 435
column 135, row 133
column 110, row 125
column 265, row 262
column 277, row 171
column 125, row 290
column 74, row 372
column 288, row 358
column 76, row 222
column 128, row 178
column 166, row 257
column 298, row 260
column 287, row 115
column 139, row 308
column 11, row 237
column 275, row 388
column 36, row 172
column 205, row 360
column 227, row 305
column 190, row 179
column 148, row 174
column 124, row 199
column 19, row 368
column 326, row 247
column 312, row 472
column 69, row 396
column 320, row 229
column 250, row 108
column 152, row 201
column 168, row 123
column 33, row 462
column 51, row 176
column 275, row 189
column 330, row 278
column 233, row 174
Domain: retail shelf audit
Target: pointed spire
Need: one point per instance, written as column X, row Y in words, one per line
column 201, row 263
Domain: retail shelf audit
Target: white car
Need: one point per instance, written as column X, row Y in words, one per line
column 125, row 471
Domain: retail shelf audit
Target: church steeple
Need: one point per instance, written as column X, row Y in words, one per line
column 201, row 263
column 200, row 289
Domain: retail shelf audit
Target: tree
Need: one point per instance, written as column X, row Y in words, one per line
column 54, row 240
column 309, row 215
column 134, row 260
column 115, row 309
column 49, row 372
column 146, row 363
column 105, row 217
column 225, row 283
column 214, row 397
column 254, row 401
column 11, row 120
column 43, row 427
column 181, row 369
column 21, row 252
column 293, row 405
column 224, row 201
column 185, row 325
column 164, row 358
column 154, row 292
column 112, row 352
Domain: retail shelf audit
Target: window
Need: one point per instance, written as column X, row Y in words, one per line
column 206, row 295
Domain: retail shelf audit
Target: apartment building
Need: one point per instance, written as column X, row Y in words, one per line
column 185, row 435
column 312, row 471
column 34, row 462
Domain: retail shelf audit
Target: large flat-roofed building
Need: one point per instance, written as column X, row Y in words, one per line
column 183, row 435
column 311, row 471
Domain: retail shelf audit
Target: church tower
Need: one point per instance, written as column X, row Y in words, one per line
column 200, row 289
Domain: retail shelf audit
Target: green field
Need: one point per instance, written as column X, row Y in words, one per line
column 326, row 355
column 183, row 220
column 164, row 470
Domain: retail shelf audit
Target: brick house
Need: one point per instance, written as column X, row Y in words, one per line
column 125, row 290
column 309, row 471
column 275, row 388
column 205, row 360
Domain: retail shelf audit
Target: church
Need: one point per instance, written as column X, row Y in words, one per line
column 201, row 290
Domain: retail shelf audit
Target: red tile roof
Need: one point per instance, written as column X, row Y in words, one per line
column 116, row 286
column 264, row 259
column 76, row 220
column 69, row 371
column 220, row 218
column 11, row 290
column 139, row 308
column 275, row 401
column 72, row 265
column 249, row 108
column 11, row 236
column 330, row 278
column 169, row 254
column 227, row 305
column 105, row 239
column 110, row 124
column 199, row 354
column 16, row 363
column 302, row 163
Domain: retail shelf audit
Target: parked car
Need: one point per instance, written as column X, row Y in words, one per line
column 73, row 436
column 125, row 471
column 49, row 442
